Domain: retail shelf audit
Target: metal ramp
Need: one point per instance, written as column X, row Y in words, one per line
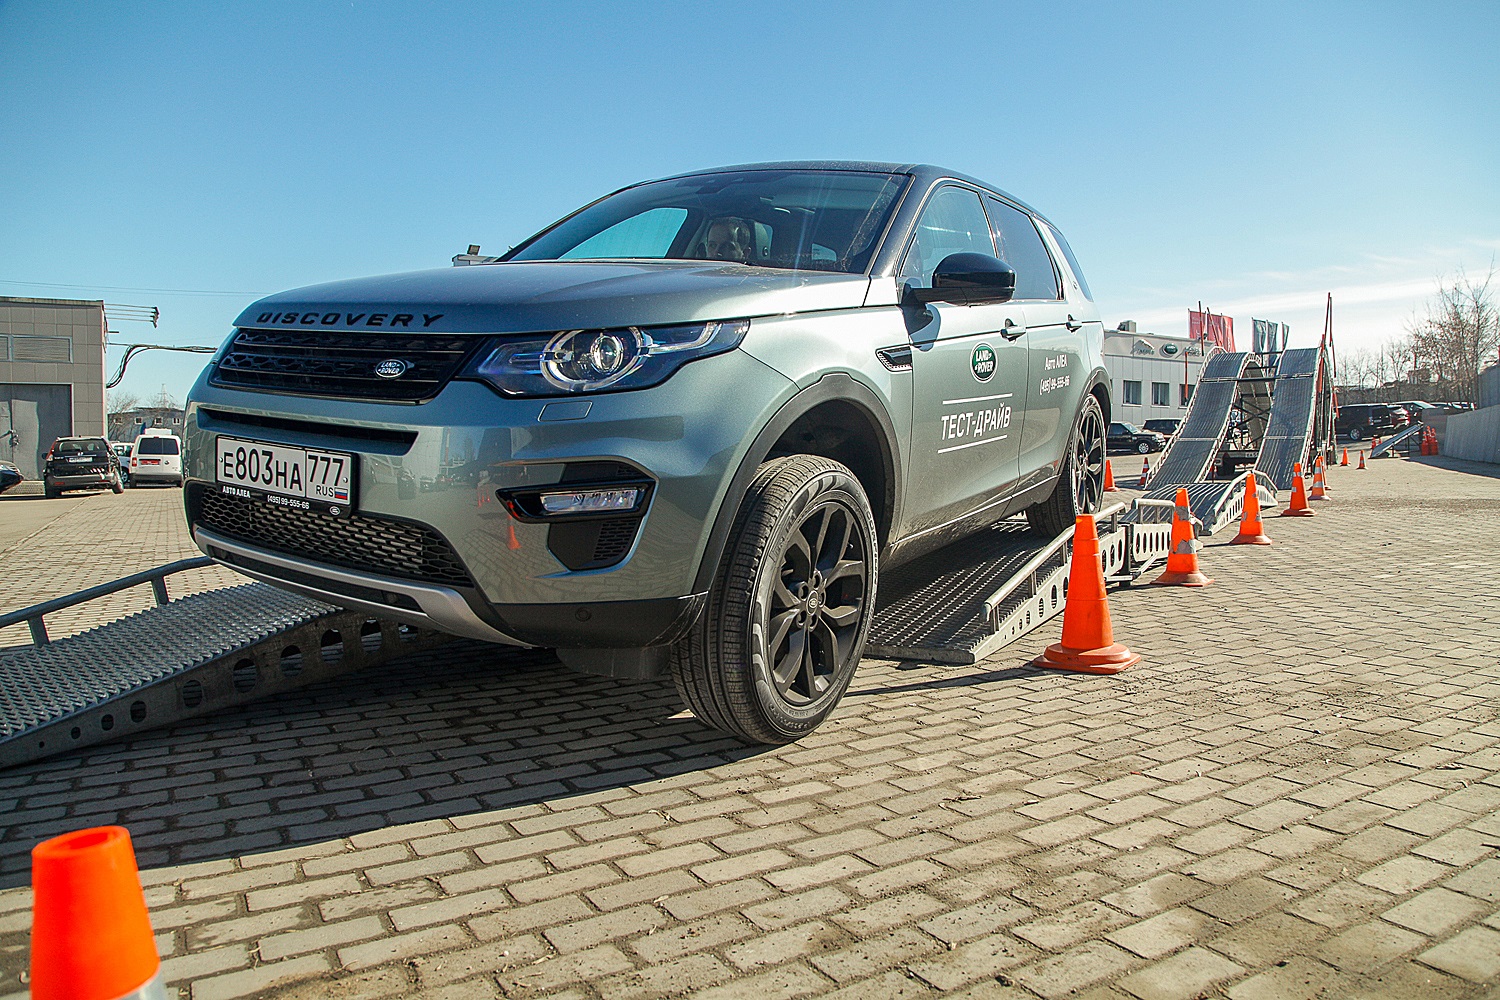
column 1294, row 416
column 1215, row 504
column 1387, row 447
column 964, row 602
column 1226, row 381
column 181, row 659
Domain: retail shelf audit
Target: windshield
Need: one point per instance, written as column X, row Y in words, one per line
column 156, row 446
column 807, row 220
column 80, row 446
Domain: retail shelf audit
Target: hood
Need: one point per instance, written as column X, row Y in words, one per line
column 535, row 296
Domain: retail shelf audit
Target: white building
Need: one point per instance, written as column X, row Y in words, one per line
column 1151, row 375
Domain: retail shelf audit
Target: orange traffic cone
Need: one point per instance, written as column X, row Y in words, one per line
column 1252, row 531
column 1145, row 474
column 1320, row 485
column 1298, row 507
column 1182, row 561
column 90, row 935
column 1361, row 460
column 1345, row 459
column 1109, row 477
column 1088, row 642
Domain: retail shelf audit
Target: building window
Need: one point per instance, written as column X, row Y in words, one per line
column 1187, row 393
column 1133, row 393
column 1161, row 394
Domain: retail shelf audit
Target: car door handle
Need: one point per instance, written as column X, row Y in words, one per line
column 1012, row 330
column 1072, row 324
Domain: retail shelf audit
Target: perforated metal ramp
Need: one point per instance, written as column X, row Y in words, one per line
column 1197, row 442
column 1215, row 504
column 933, row 608
column 1289, row 430
column 195, row 655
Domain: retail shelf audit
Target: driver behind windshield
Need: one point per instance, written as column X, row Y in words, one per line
column 729, row 238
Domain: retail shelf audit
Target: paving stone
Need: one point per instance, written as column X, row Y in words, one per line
column 1473, row 954
column 1165, row 933
column 1367, row 945
column 1065, row 974
column 1435, row 911
column 1185, row 975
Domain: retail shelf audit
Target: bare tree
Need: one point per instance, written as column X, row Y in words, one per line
column 1460, row 332
column 123, row 401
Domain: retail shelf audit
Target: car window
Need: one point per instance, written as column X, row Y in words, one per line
column 649, row 234
column 79, row 446
column 1083, row 285
column 953, row 222
column 156, row 446
column 1022, row 248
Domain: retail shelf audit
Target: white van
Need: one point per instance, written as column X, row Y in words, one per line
column 156, row 457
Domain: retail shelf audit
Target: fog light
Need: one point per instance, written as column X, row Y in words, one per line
column 592, row 501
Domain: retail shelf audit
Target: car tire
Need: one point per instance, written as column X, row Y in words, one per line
column 50, row 492
column 1354, row 434
column 1080, row 483
column 1143, row 448
column 781, row 635
column 116, row 486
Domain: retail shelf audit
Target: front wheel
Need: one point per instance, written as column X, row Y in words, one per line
column 1142, row 448
column 785, row 624
column 1080, row 483
column 1354, row 434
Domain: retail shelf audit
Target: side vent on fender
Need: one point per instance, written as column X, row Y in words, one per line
column 897, row 359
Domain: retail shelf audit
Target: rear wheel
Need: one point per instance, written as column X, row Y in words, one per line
column 1354, row 434
column 117, row 486
column 50, row 491
column 1143, row 447
column 779, row 640
column 1080, row 484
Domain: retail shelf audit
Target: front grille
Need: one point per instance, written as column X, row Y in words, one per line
column 342, row 363
column 359, row 541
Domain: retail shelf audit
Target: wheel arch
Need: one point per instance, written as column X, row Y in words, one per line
column 836, row 417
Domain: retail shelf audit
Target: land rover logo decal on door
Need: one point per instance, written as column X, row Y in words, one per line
column 983, row 362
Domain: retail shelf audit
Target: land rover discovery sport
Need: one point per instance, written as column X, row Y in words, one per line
column 682, row 429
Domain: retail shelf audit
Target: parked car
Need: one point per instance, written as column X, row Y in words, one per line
column 76, row 463
column 122, row 458
column 10, row 475
column 1360, row 421
column 1418, row 409
column 1128, row 437
column 1165, row 426
column 699, row 416
column 1400, row 417
column 156, row 457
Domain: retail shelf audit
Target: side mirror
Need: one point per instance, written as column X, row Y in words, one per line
column 969, row 279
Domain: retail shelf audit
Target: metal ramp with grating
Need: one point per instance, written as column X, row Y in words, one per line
column 178, row 660
column 964, row 602
column 1387, row 447
column 1196, row 445
column 1289, row 435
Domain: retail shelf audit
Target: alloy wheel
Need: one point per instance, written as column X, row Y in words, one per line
column 817, row 601
column 1088, row 462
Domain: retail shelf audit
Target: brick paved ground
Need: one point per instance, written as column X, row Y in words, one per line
column 1297, row 794
column 81, row 540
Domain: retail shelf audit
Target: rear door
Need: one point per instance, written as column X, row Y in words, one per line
column 969, row 368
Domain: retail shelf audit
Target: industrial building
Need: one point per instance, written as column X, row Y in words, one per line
column 51, row 376
column 1151, row 375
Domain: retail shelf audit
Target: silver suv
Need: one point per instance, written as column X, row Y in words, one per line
column 680, row 430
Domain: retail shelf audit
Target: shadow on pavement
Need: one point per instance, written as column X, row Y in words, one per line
column 460, row 729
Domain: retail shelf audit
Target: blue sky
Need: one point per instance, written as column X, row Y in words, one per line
column 1255, row 157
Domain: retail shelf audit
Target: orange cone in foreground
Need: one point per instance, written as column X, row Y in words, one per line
column 1145, row 474
column 1345, row 459
column 90, row 935
column 1088, row 641
column 1109, row 477
column 1298, row 507
column 1361, row 460
column 1252, row 531
column 1320, row 485
column 1182, row 561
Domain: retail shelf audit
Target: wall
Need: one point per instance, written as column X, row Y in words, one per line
column 1474, row 436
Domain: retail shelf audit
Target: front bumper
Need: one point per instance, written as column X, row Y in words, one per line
column 440, row 465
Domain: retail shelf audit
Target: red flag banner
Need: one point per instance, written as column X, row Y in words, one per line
column 1211, row 327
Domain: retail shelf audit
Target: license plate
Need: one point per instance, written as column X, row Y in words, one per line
column 81, row 458
column 298, row 478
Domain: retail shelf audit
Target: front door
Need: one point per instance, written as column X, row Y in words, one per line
column 969, row 375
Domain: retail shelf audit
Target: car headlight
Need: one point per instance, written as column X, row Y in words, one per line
column 575, row 361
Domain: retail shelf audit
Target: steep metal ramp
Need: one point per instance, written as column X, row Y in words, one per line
column 1294, row 409
column 1198, row 440
column 1387, row 447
